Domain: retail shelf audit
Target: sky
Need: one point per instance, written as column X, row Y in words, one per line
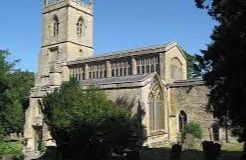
column 118, row 25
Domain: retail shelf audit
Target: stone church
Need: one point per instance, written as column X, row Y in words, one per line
column 154, row 77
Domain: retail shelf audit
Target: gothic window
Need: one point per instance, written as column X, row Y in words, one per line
column 93, row 75
column 152, row 68
column 182, row 120
column 138, row 69
column 117, row 72
column 176, row 69
column 143, row 69
column 101, row 73
column 112, row 73
column 77, row 72
column 125, row 71
column 90, row 75
column 130, row 71
column 148, row 65
column 121, row 71
column 156, row 111
column 80, row 25
column 55, row 26
column 97, row 71
column 147, row 68
column 121, row 68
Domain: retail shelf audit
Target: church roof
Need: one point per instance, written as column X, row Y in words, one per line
column 113, row 82
column 127, row 53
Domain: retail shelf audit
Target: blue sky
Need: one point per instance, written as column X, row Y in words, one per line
column 119, row 25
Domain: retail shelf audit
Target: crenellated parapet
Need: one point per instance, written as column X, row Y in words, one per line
column 48, row 3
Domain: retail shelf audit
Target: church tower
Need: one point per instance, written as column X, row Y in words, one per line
column 67, row 35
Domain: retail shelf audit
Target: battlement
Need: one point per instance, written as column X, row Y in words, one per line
column 54, row 2
column 80, row 3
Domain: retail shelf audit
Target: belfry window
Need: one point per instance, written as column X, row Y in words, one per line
column 182, row 120
column 80, row 27
column 156, row 112
column 55, row 26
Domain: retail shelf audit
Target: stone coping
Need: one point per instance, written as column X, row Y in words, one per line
column 126, row 53
column 188, row 82
column 119, row 82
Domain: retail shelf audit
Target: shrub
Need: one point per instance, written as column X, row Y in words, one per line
column 11, row 148
column 192, row 128
column 84, row 123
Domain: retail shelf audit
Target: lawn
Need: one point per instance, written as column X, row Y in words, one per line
column 229, row 152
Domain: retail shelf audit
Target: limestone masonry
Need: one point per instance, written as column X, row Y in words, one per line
column 154, row 77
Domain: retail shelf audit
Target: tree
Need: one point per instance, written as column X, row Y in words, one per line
column 192, row 72
column 14, row 91
column 4, row 71
column 85, row 124
column 224, row 61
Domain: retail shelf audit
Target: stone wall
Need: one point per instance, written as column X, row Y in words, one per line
column 191, row 97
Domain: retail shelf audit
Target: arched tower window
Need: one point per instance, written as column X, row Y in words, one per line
column 156, row 111
column 55, row 26
column 182, row 120
column 80, row 25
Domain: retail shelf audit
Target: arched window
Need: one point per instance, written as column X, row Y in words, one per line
column 176, row 69
column 156, row 112
column 182, row 120
column 80, row 24
column 55, row 26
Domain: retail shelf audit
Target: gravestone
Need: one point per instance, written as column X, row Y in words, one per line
column 176, row 151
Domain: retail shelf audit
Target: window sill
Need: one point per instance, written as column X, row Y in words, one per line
column 157, row 133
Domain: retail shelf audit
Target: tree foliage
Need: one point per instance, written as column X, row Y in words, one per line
column 86, row 124
column 192, row 72
column 14, row 92
column 224, row 61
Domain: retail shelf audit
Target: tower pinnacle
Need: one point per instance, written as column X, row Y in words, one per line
column 45, row 2
column 91, row 4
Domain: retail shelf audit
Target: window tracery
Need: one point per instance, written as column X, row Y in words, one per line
column 121, row 68
column 147, row 65
column 97, row 71
column 176, row 69
column 156, row 110
column 78, row 73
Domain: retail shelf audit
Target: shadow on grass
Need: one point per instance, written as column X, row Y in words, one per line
column 164, row 153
